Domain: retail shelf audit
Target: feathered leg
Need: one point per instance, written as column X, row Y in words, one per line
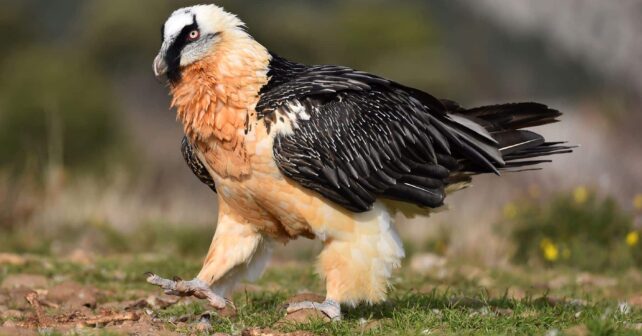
column 357, row 263
column 237, row 250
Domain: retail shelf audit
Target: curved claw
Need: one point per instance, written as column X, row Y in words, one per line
column 195, row 287
column 330, row 308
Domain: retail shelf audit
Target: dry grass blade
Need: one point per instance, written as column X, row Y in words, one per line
column 122, row 317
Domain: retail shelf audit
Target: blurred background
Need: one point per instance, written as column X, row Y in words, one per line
column 90, row 151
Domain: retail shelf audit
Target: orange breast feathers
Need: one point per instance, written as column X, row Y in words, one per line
column 215, row 101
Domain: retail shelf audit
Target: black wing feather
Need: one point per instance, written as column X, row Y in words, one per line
column 195, row 164
column 365, row 137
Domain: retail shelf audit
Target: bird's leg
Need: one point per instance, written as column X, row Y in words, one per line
column 195, row 287
column 233, row 246
column 357, row 267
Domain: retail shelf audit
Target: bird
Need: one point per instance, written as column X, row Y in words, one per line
column 323, row 152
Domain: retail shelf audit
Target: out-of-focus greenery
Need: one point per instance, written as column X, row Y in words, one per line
column 578, row 229
column 67, row 64
column 101, row 237
column 61, row 111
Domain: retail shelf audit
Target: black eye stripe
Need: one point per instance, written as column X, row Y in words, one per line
column 173, row 54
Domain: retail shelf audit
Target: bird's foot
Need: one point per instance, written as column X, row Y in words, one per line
column 196, row 288
column 330, row 308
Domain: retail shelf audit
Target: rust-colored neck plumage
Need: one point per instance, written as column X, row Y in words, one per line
column 215, row 101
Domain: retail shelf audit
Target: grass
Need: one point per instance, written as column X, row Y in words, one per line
column 418, row 305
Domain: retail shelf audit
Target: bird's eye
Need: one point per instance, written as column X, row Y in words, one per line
column 193, row 35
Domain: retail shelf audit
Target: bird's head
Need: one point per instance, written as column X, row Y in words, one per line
column 191, row 34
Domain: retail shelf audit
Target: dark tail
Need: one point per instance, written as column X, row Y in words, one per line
column 504, row 123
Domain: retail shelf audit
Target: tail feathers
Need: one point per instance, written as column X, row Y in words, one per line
column 514, row 116
column 504, row 124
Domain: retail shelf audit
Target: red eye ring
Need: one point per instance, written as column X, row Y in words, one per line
column 194, row 35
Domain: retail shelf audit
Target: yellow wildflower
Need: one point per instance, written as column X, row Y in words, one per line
column 632, row 238
column 510, row 211
column 580, row 194
column 549, row 249
column 637, row 202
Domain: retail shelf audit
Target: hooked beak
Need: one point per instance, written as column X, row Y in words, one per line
column 160, row 66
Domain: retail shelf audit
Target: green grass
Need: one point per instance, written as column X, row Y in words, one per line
column 418, row 305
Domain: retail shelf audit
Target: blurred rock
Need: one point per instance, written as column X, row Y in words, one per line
column 586, row 279
column 305, row 297
column 11, row 259
column 578, row 330
column 303, row 316
column 81, row 256
column 636, row 301
column 72, row 295
column 11, row 314
column 24, row 280
column 427, row 263
column 14, row 331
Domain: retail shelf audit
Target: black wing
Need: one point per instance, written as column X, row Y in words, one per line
column 358, row 137
column 196, row 165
